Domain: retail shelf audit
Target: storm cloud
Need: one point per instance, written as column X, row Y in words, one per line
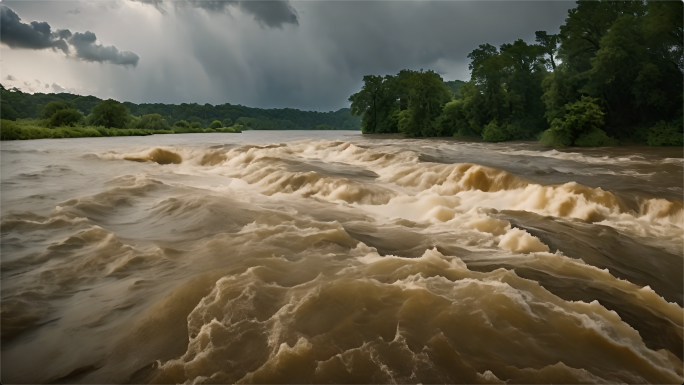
column 310, row 58
column 270, row 13
column 87, row 49
column 37, row 35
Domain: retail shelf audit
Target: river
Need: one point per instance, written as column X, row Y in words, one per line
column 330, row 256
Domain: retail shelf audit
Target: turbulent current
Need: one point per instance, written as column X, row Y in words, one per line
column 332, row 257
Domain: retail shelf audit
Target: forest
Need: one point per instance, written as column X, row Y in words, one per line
column 613, row 75
column 38, row 115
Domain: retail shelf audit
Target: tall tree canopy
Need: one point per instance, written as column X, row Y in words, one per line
column 613, row 73
column 109, row 113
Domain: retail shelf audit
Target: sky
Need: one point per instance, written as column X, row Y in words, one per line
column 309, row 55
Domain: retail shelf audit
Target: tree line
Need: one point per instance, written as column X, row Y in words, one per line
column 19, row 105
column 612, row 75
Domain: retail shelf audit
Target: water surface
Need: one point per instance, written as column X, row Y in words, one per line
column 313, row 257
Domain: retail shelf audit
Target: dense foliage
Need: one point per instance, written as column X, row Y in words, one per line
column 26, row 129
column 613, row 74
column 17, row 105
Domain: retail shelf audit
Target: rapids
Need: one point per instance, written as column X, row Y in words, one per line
column 317, row 257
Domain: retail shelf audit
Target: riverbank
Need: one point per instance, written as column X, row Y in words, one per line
column 10, row 130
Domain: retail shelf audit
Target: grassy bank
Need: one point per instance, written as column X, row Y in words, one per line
column 30, row 129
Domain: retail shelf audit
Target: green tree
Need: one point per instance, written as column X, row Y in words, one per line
column 216, row 124
column 109, row 113
column 52, row 107
column 365, row 102
column 581, row 126
column 7, row 112
column 455, row 87
column 549, row 44
column 152, row 122
column 427, row 97
column 181, row 124
column 227, row 122
column 66, row 117
column 666, row 134
column 505, row 87
column 195, row 119
column 626, row 54
column 454, row 119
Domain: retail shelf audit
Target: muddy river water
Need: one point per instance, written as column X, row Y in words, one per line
column 318, row 257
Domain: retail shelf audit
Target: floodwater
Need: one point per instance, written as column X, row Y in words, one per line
column 318, row 257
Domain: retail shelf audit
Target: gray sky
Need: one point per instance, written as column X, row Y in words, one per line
column 309, row 55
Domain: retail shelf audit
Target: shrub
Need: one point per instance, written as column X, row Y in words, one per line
column 227, row 122
column 583, row 118
column 151, row 122
column 493, row 133
column 215, row 124
column 9, row 130
column 196, row 125
column 666, row 134
column 595, row 138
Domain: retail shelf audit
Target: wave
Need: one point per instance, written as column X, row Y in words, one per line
column 390, row 319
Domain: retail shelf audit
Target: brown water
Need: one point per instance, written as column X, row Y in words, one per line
column 313, row 257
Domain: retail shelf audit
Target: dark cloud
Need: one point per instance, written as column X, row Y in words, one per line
column 323, row 62
column 74, row 12
column 268, row 13
column 11, row 78
column 87, row 49
column 272, row 14
column 37, row 35
column 47, row 85
column 158, row 4
column 57, row 88
column 198, row 52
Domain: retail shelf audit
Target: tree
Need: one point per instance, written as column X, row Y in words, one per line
column 550, row 45
column 492, row 132
column 109, row 113
column 195, row 119
column 52, row 107
column 455, row 87
column 581, row 126
column 454, row 120
column 505, row 87
column 152, row 122
column 66, row 117
column 7, row 112
column 626, row 54
column 181, row 124
column 227, row 122
column 216, row 124
column 365, row 103
column 427, row 97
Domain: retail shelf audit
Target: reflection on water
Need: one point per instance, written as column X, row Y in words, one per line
column 315, row 257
